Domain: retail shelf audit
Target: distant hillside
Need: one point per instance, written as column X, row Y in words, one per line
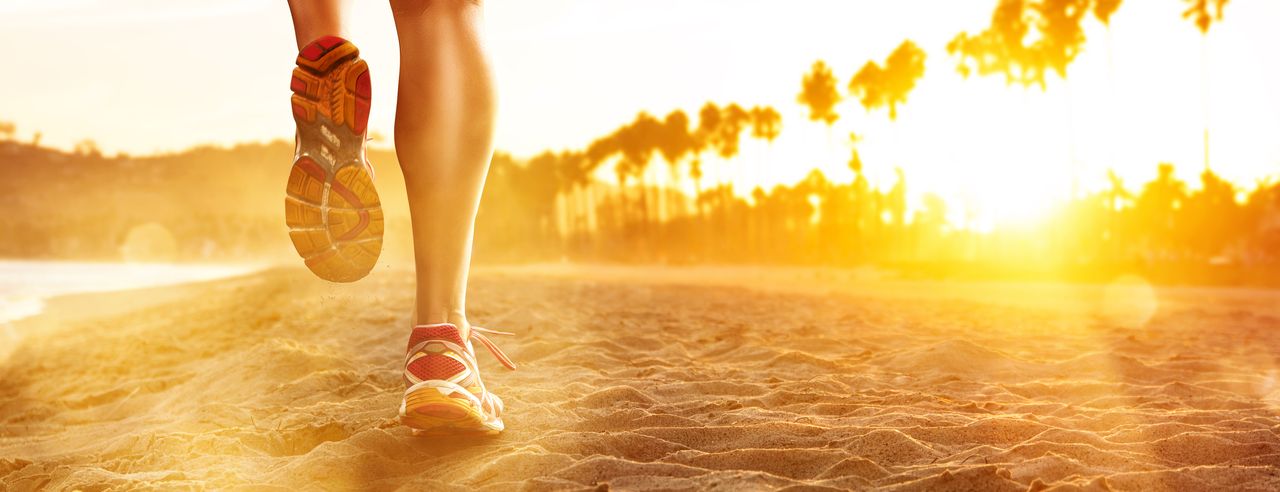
column 218, row 203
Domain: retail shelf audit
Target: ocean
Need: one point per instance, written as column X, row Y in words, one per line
column 25, row 285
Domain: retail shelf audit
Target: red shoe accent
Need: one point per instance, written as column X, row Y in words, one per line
column 328, row 42
column 435, row 332
column 362, row 115
column 362, row 86
column 363, row 93
column 310, row 167
column 312, row 52
column 316, row 49
column 433, row 366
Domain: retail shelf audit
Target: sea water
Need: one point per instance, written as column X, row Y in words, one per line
column 25, row 285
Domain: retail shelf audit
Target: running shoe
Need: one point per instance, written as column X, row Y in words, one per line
column 331, row 207
column 445, row 394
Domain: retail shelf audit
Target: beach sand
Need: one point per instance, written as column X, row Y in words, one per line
column 656, row 379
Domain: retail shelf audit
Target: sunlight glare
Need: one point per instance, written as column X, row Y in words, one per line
column 1129, row 302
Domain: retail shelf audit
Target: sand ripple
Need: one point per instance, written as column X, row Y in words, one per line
column 277, row 380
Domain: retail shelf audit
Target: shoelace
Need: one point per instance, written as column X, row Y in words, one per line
column 478, row 334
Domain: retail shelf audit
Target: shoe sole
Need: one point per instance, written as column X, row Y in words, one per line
column 331, row 207
column 431, row 413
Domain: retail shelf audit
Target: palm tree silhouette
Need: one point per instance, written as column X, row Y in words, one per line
column 889, row 86
column 733, row 121
column 766, row 124
column 1102, row 9
column 1002, row 48
column 818, row 92
column 602, row 150
column 1199, row 12
column 863, row 213
column 1061, row 34
column 637, row 142
column 704, row 137
column 999, row 49
column 1156, row 211
column 574, row 176
column 541, row 184
column 674, row 141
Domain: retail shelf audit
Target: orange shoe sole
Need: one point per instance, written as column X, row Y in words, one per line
column 331, row 207
column 431, row 413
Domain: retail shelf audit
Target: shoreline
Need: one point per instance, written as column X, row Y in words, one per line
column 27, row 287
column 61, row 310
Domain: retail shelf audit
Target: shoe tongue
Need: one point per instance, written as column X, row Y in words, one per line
column 440, row 331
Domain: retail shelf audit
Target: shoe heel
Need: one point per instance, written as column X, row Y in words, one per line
column 429, row 411
column 322, row 54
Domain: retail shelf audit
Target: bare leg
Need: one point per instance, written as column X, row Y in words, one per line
column 444, row 140
column 315, row 18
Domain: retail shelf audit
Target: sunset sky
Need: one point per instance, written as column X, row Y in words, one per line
column 142, row 76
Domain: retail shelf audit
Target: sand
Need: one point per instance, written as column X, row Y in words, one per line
column 656, row 379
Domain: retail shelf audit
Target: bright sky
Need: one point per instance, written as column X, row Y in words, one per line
column 148, row 75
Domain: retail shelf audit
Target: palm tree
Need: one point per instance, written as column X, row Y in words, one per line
column 1156, row 211
column 818, row 92
column 766, row 124
column 705, row 136
column 637, row 142
column 889, row 86
column 574, row 175
column 733, row 121
column 1200, row 14
column 999, row 49
column 1061, row 37
column 601, row 150
column 1102, row 9
column 1061, row 34
column 543, row 181
column 674, row 142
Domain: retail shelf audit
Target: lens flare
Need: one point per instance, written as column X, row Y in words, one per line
column 1129, row 301
column 150, row 242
